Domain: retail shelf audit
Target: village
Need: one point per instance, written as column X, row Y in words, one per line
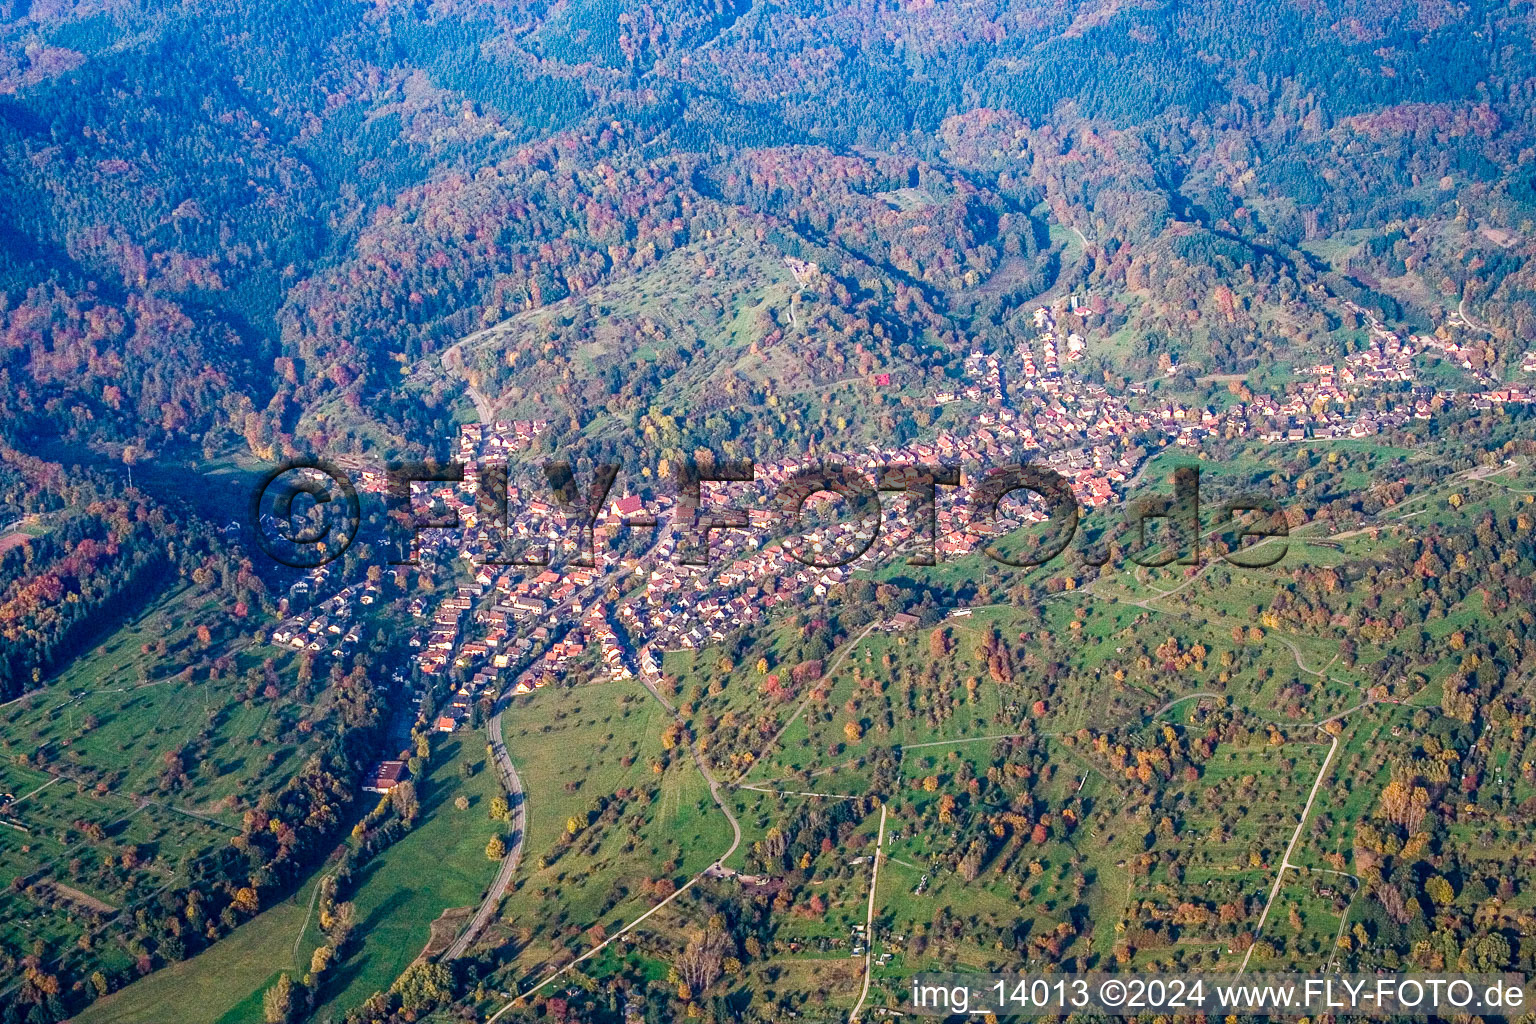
column 511, row 629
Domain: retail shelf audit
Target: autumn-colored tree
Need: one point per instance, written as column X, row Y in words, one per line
column 277, row 1001
column 424, row 984
column 246, row 900
column 404, row 801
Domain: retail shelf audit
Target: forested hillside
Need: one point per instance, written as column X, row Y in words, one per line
column 220, row 215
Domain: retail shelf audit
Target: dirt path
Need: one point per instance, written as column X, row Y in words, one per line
column 82, row 899
column 968, row 739
column 869, row 920
column 1285, row 861
column 717, row 864
column 597, row 949
column 714, row 787
column 1333, row 954
column 1180, row 700
column 309, row 915
column 36, row 791
column 1296, row 653
column 795, row 792
column 836, row 664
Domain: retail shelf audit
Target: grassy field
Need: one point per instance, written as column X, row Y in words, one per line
column 114, row 713
column 1138, row 661
column 714, row 299
column 599, row 744
column 208, row 987
column 1234, row 817
column 439, row 865
column 94, row 749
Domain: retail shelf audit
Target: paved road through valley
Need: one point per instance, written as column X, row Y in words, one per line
column 515, row 799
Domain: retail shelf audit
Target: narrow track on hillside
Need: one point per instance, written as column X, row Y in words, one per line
column 869, row 921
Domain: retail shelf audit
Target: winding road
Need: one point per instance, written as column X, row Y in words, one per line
column 518, row 804
column 453, row 361
column 1461, row 307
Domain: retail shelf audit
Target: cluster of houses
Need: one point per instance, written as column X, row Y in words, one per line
column 477, row 443
column 442, row 638
column 986, row 372
column 672, row 606
column 538, row 624
column 481, row 442
column 1079, row 429
column 327, row 626
column 1051, row 342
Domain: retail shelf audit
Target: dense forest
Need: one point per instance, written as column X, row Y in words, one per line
column 221, row 219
